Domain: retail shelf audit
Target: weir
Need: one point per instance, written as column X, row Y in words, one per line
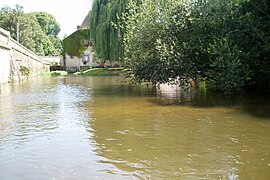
column 16, row 61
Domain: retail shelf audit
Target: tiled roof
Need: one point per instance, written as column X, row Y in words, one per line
column 86, row 23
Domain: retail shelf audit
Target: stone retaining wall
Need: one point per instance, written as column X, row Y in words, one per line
column 17, row 62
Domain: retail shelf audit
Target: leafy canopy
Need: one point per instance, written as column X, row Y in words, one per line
column 33, row 33
column 106, row 38
column 224, row 42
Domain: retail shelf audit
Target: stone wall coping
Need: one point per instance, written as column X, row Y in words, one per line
column 5, row 44
column 19, row 47
column 4, row 32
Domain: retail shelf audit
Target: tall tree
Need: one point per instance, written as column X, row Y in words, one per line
column 51, row 28
column 37, row 38
column 106, row 38
column 30, row 33
column 48, row 23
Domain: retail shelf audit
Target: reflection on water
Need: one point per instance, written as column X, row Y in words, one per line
column 101, row 127
column 174, row 94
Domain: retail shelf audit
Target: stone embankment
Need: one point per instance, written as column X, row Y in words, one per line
column 17, row 62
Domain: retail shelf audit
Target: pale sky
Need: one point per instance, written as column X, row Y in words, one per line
column 68, row 13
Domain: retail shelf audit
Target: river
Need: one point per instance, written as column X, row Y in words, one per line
column 103, row 128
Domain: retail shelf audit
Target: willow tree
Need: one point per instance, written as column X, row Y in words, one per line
column 106, row 37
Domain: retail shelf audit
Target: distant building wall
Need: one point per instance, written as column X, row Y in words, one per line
column 74, row 63
column 17, row 62
column 55, row 60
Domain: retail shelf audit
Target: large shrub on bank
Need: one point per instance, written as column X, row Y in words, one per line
column 208, row 39
column 146, row 26
column 223, row 42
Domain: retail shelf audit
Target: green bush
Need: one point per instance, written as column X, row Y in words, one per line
column 226, row 72
column 225, row 42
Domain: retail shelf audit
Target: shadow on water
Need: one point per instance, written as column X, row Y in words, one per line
column 257, row 105
column 252, row 103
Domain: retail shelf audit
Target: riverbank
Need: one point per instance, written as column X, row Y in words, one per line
column 90, row 72
column 101, row 72
column 55, row 73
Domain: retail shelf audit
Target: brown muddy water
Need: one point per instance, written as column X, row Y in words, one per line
column 103, row 128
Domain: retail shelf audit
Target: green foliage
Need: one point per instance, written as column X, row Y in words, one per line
column 48, row 23
column 74, row 44
column 146, row 25
column 24, row 71
column 204, row 40
column 226, row 71
column 106, row 37
column 51, row 28
column 224, row 42
column 31, row 33
column 258, row 14
column 54, row 73
column 58, row 73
